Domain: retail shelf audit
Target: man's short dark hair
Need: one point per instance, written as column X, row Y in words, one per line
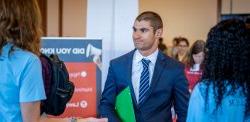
column 154, row 18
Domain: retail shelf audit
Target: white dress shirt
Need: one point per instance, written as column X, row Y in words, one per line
column 137, row 68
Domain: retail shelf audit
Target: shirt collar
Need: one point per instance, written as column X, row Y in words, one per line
column 5, row 51
column 138, row 57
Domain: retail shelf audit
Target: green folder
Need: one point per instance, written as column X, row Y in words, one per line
column 124, row 106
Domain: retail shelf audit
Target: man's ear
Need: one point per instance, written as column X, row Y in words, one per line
column 158, row 32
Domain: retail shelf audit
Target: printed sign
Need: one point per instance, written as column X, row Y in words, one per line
column 83, row 59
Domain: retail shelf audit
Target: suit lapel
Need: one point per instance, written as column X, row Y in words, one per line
column 128, row 70
column 159, row 66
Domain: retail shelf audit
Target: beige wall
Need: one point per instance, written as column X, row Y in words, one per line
column 188, row 18
column 74, row 18
column 238, row 6
column 52, row 18
column 192, row 18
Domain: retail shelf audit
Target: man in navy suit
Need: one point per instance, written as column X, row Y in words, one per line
column 156, row 81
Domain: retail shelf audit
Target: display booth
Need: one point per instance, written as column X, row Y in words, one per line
column 83, row 59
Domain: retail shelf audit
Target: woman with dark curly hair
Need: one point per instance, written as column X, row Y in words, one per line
column 223, row 95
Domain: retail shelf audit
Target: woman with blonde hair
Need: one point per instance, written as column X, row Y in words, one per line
column 180, row 49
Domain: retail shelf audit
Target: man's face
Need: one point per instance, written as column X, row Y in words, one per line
column 145, row 40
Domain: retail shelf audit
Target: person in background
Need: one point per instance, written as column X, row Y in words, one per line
column 21, row 74
column 181, row 51
column 223, row 95
column 174, row 48
column 155, row 80
column 162, row 47
column 194, row 65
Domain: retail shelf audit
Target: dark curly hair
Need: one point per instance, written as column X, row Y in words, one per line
column 227, row 59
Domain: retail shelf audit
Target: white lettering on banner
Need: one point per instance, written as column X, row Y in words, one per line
column 73, row 105
column 82, row 104
column 63, row 50
column 78, row 74
column 78, row 51
column 47, row 50
column 84, row 89
column 74, row 74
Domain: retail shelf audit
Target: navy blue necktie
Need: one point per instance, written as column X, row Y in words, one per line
column 144, row 80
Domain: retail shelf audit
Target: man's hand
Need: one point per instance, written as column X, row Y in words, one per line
column 92, row 119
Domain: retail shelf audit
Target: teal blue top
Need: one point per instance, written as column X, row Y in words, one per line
column 20, row 81
column 231, row 110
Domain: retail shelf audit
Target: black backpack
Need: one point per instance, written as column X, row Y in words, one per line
column 58, row 88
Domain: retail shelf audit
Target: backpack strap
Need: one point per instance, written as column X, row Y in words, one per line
column 47, row 72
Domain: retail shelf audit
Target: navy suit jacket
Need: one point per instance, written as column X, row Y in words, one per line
column 168, row 88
